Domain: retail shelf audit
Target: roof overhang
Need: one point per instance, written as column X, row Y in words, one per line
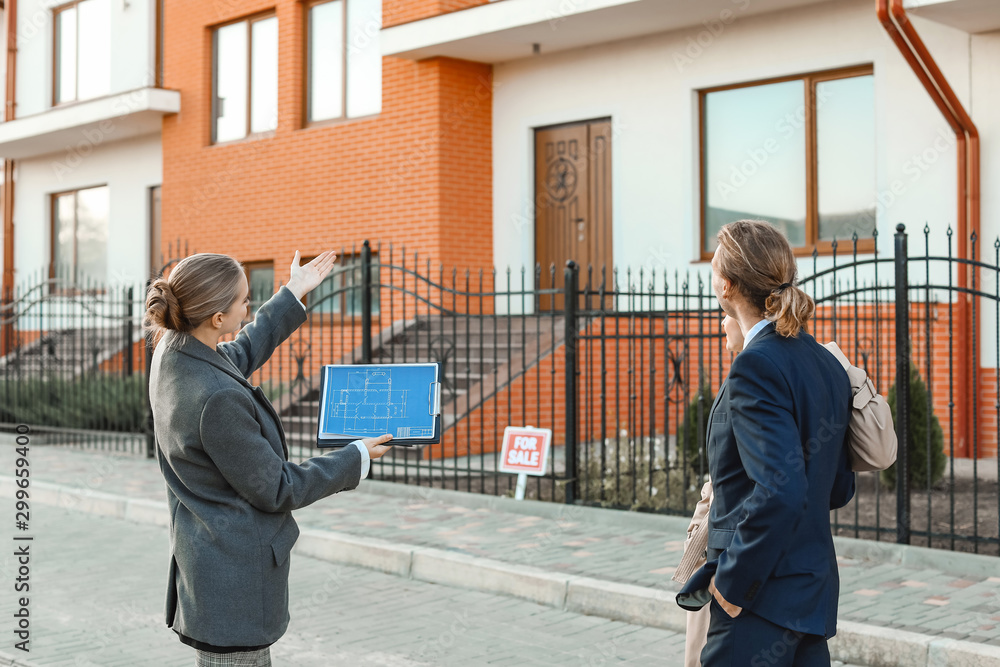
column 972, row 16
column 510, row 29
column 91, row 122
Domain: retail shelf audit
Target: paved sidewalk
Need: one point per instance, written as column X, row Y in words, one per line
column 881, row 602
column 101, row 605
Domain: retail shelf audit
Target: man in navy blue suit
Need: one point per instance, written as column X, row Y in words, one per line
column 778, row 463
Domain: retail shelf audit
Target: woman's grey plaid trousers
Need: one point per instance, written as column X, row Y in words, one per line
column 261, row 658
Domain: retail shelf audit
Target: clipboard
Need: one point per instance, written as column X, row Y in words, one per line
column 369, row 400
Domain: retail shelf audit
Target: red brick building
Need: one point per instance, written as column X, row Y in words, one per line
column 284, row 145
column 417, row 170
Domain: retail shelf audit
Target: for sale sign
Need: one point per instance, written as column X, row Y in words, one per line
column 525, row 449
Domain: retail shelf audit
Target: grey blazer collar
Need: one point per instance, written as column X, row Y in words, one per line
column 192, row 347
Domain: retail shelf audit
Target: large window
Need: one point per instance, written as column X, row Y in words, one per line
column 82, row 57
column 260, row 278
column 327, row 62
column 343, row 60
column 340, row 292
column 80, row 236
column 798, row 152
column 245, row 78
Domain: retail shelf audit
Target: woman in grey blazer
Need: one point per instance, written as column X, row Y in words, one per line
column 220, row 446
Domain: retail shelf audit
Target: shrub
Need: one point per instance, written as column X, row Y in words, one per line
column 95, row 402
column 639, row 478
column 691, row 440
column 923, row 454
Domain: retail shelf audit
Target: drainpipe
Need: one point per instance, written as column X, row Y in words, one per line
column 7, row 288
column 893, row 18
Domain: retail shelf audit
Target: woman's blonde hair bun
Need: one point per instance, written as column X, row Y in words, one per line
column 162, row 308
column 197, row 288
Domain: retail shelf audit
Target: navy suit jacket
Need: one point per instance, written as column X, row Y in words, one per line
column 778, row 461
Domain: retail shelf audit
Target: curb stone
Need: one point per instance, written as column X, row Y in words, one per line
column 905, row 555
column 345, row 549
column 920, row 558
column 625, row 602
column 887, row 647
column 855, row 643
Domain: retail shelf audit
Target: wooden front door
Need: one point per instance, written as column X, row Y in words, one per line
column 573, row 204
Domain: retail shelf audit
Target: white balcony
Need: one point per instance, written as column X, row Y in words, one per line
column 90, row 122
column 509, row 29
column 969, row 15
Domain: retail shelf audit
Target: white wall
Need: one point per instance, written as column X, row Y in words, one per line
column 653, row 103
column 985, row 103
column 129, row 168
column 133, row 49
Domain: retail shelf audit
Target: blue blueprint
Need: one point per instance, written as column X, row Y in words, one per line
column 368, row 401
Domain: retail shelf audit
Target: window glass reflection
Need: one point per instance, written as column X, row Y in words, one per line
column 261, row 286
column 845, row 152
column 231, row 82
column 326, row 61
column 66, row 55
column 264, row 75
column 92, row 235
column 80, row 235
column 755, row 154
column 64, row 212
column 94, row 71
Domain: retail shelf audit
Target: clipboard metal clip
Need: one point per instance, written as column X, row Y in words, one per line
column 434, row 398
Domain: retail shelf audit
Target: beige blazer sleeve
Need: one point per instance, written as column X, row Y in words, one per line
column 697, row 538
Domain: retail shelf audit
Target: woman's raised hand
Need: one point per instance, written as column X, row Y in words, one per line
column 303, row 279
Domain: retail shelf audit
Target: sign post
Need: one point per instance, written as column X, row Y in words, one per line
column 525, row 452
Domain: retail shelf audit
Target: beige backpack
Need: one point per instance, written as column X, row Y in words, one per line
column 871, row 437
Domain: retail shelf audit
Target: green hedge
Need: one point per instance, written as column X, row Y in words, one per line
column 100, row 402
column 636, row 479
column 920, row 452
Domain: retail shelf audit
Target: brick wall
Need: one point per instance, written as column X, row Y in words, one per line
column 418, row 174
column 395, row 12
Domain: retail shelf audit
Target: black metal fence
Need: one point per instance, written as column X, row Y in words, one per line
column 73, row 366
column 645, row 352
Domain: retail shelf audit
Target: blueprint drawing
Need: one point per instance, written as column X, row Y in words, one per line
column 367, row 401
